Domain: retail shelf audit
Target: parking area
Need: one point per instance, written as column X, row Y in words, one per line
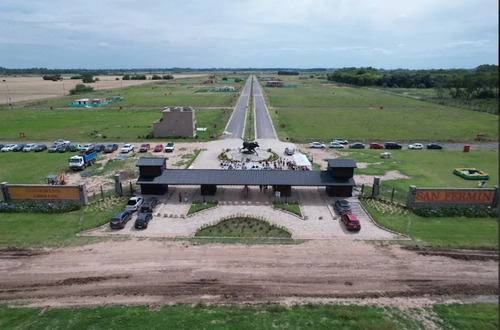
column 319, row 219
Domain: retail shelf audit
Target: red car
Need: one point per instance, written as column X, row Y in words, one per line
column 158, row 148
column 144, row 147
column 351, row 221
column 374, row 145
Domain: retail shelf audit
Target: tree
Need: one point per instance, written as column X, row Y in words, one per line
column 168, row 77
column 80, row 89
column 87, row 77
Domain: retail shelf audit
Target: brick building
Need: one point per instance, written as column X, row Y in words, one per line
column 175, row 122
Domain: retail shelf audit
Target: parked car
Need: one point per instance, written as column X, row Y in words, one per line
column 142, row 220
column 158, row 148
column 416, row 146
column 120, row 219
column 375, row 145
column 169, row 147
column 289, row 151
column 63, row 147
column 87, row 148
column 144, row 147
column 61, row 141
column 29, row 147
column 149, row 205
column 316, row 145
column 342, row 206
column 2, row 145
column 127, row 148
column 75, row 147
column 357, row 145
column 40, row 147
column 100, row 147
column 54, row 147
column 19, row 147
column 433, row 145
column 134, row 203
column 110, row 148
column 341, row 141
column 8, row 147
column 392, row 145
column 351, row 221
column 336, row 145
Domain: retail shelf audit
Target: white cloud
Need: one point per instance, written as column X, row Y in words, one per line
column 251, row 32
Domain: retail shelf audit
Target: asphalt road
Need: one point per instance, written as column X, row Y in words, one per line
column 236, row 125
column 264, row 128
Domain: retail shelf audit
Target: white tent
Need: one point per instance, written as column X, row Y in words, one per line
column 302, row 161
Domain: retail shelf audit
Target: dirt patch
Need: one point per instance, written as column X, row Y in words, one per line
column 461, row 254
column 15, row 253
column 158, row 272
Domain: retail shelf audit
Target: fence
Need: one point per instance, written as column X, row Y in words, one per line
column 385, row 192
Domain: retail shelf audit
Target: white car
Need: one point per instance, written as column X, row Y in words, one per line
column 8, row 147
column 334, row 144
column 169, row 147
column 416, row 146
column 61, row 141
column 29, row 147
column 134, row 203
column 127, row 148
column 289, row 151
column 316, row 145
column 341, row 141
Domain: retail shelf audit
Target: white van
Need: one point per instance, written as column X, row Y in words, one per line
column 289, row 151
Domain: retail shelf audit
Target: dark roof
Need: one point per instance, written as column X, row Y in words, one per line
column 246, row 177
column 342, row 163
column 150, row 161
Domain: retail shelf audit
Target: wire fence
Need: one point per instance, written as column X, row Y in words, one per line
column 386, row 193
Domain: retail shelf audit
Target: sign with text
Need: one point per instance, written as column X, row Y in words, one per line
column 454, row 196
column 44, row 192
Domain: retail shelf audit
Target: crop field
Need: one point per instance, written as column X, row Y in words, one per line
column 320, row 110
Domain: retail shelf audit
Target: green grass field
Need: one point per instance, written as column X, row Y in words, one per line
column 264, row 316
column 319, row 110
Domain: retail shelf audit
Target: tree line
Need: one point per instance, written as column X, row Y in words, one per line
column 479, row 83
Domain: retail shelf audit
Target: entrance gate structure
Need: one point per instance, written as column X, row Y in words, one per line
column 154, row 178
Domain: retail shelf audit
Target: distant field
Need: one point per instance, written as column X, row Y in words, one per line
column 319, row 110
column 35, row 88
column 82, row 125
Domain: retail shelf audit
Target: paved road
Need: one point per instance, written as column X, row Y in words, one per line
column 264, row 128
column 236, row 125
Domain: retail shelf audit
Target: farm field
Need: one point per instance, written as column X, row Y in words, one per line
column 320, row 110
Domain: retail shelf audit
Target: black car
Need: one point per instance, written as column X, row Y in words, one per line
column 100, row 147
column 342, row 206
column 111, row 147
column 40, row 147
column 434, row 146
column 392, row 145
column 142, row 220
column 63, row 147
column 54, row 148
column 149, row 205
column 120, row 219
column 2, row 145
column 18, row 147
column 357, row 145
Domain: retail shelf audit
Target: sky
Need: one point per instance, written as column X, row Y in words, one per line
column 128, row 34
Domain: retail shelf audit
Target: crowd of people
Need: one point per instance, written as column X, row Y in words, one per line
column 279, row 164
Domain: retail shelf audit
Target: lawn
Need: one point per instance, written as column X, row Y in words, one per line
column 97, row 125
column 320, row 110
column 37, row 230
column 263, row 316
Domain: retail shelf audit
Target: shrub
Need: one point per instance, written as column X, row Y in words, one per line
column 39, row 207
column 457, row 211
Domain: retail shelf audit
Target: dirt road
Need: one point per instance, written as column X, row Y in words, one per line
column 156, row 272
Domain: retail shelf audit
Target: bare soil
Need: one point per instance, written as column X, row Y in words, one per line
column 30, row 88
column 160, row 272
